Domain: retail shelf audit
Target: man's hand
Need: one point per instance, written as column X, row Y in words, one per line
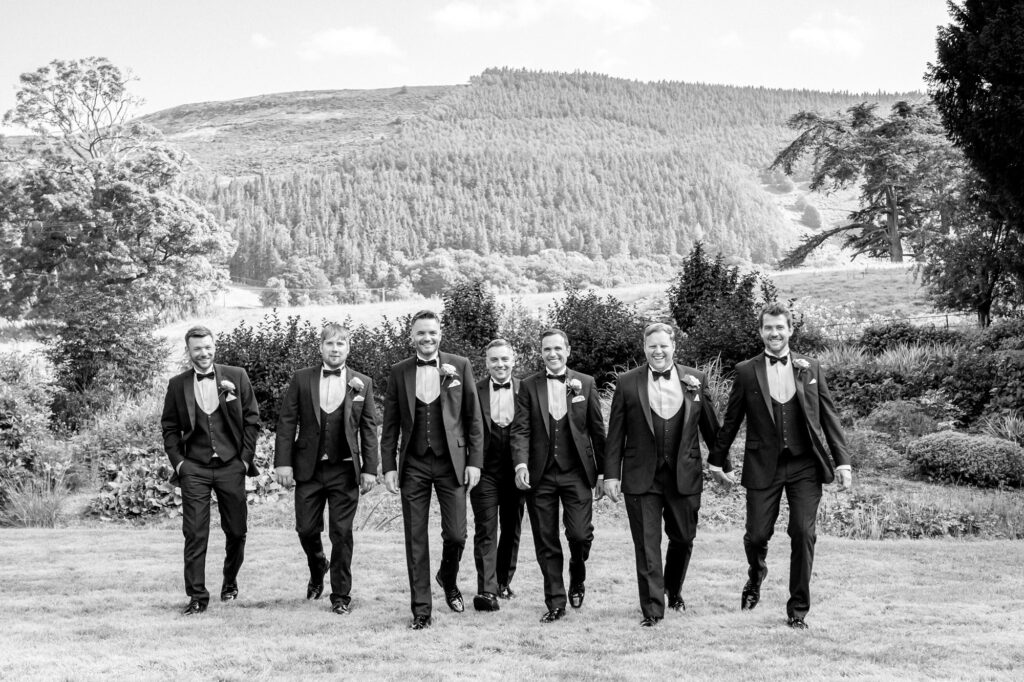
column 366, row 482
column 471, row 477
column 391, row 482
column 599, row 489
column 523, row 478
column 177, row 469
column 723, row 479
column 284, row 476
column 611, row 489
column 845, row 479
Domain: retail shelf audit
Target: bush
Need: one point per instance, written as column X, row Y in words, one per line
column 1006, row 334
column 605, row 335
column 1007, row 426
column 955, row 457
column 470, row 321
column 878, row 338
column 25, row 398
column 873, row 451
column 985, row 383
column 902, row 420
column 36, row 500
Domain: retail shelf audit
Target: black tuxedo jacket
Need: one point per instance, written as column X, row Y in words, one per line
column 530, row 438
column 751, row 398
column 631, row 453
column 240, row 409
column 483, row 391
column 298, row 424
column 460, row 409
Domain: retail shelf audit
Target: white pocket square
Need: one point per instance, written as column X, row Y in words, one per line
column 696, row 399
column 230, row 398
column 812, row 382
column 358, row 399
column 578, row 399
column 455, row 383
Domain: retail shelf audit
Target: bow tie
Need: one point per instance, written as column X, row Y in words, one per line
column 331, row 372
column 666, row 375
column 784, row 359
column 200, row 377
column 426, row 363
column 560, row 377
column 498, row 387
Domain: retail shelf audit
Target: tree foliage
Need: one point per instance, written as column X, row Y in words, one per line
column 470, row 318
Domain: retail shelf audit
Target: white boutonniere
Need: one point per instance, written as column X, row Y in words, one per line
column 692, row 384
column 227, row 388
column 356, row 384
column 574, row 386
column 800, row 364
column 448, row 370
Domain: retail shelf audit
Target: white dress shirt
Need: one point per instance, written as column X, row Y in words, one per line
column 428, row 381
column 781, row 384
column 502, row 405
column 666, row 395
column 557, row 406
column 206, row 393
column 332, row 390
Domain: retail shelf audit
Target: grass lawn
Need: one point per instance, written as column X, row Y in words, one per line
column 102, row 603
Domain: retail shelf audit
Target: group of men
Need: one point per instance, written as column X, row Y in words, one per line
column 506, row 443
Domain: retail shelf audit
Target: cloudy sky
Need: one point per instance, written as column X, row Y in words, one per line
column 198, row 50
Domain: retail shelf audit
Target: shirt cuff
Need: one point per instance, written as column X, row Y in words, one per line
column 520, row 466
column 844, row 467
column 712, row 468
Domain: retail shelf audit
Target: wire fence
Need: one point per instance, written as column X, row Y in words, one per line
column 845, row 330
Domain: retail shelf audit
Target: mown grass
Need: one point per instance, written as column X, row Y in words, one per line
column 102, row 604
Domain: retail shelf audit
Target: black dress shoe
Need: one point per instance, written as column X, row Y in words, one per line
column 420, row 623
column 315, row 588
column 576, row 593
column 341, row 608
column 194, row 607
column 452, row 596
column 553, row 615
column 676, row 603
column 505, row 592
column 229, row 591
column 751, row 595
column 650, row 622
column 797, row 623
column 485, row 601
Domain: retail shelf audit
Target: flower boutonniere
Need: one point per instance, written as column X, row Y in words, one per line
column 574, row 386
column 801, row 364
column 227, row 387
column 449, row 372
column 356, row 384
column 692, row 384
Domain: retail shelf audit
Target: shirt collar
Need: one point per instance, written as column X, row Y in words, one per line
column 435, row 356
column 768, row 353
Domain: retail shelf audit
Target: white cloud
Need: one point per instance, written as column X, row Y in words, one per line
column 835, row 33
column 616, row 13
column 730, row 40
column 476, row 15
column 260, row 41
column 466, row 16
column 347, row 41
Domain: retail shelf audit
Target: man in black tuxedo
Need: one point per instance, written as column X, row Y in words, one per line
column 210, row 422
column 327, row 445
column 432, row 438
column 497, row 503
column 657, row 412
column 558, row 448
column 790, row 419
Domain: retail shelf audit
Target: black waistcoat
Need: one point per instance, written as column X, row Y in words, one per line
column 428, row 429
column 210, row 437
column 667, row 434
column 333, row 443
column 499, row 449
column 562, row 448
column 791, row 427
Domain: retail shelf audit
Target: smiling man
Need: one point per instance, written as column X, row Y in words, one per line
column 790, row 420
column 657, row 413
column 326, row 445
column 432, row 439
column 558, row 448
column 210, row 422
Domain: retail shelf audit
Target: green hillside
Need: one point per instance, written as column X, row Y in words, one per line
column 413, row 187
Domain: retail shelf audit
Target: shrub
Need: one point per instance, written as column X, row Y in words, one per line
column 25, row 398
column 36, row 500
column 956, row 457
column 1005, row 334
column 1007, row 427
column 880, row 337
column 902, row 420
column 138, row 485
column 376, row 349
column 604, row 334
column 873, row 451
column 521, row 327
column 985, row 383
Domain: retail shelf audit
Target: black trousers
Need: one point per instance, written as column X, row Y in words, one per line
column 646, row 512
column 498, row 516
column 798, row 477
column 333, row 485
column 197, row 482
column 572, row 490
column 420, row 475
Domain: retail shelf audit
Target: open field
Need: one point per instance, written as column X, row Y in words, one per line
column 101, row 603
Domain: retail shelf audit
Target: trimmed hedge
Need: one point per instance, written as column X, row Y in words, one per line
column 878, row 338
column 955, row 457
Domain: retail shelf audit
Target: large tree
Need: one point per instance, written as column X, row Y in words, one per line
column 904, row 166
column 91, row 201
column 977, row 84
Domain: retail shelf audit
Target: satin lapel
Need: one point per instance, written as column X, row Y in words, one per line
column 314, row 394
column 800, row 392
column 542, row 400
column 190, row 400
column 410, row 388
column 645, row 400
column 762, row 382
column 350, row 422
column 485, row 403
column 687, row 397
column 234, row 424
